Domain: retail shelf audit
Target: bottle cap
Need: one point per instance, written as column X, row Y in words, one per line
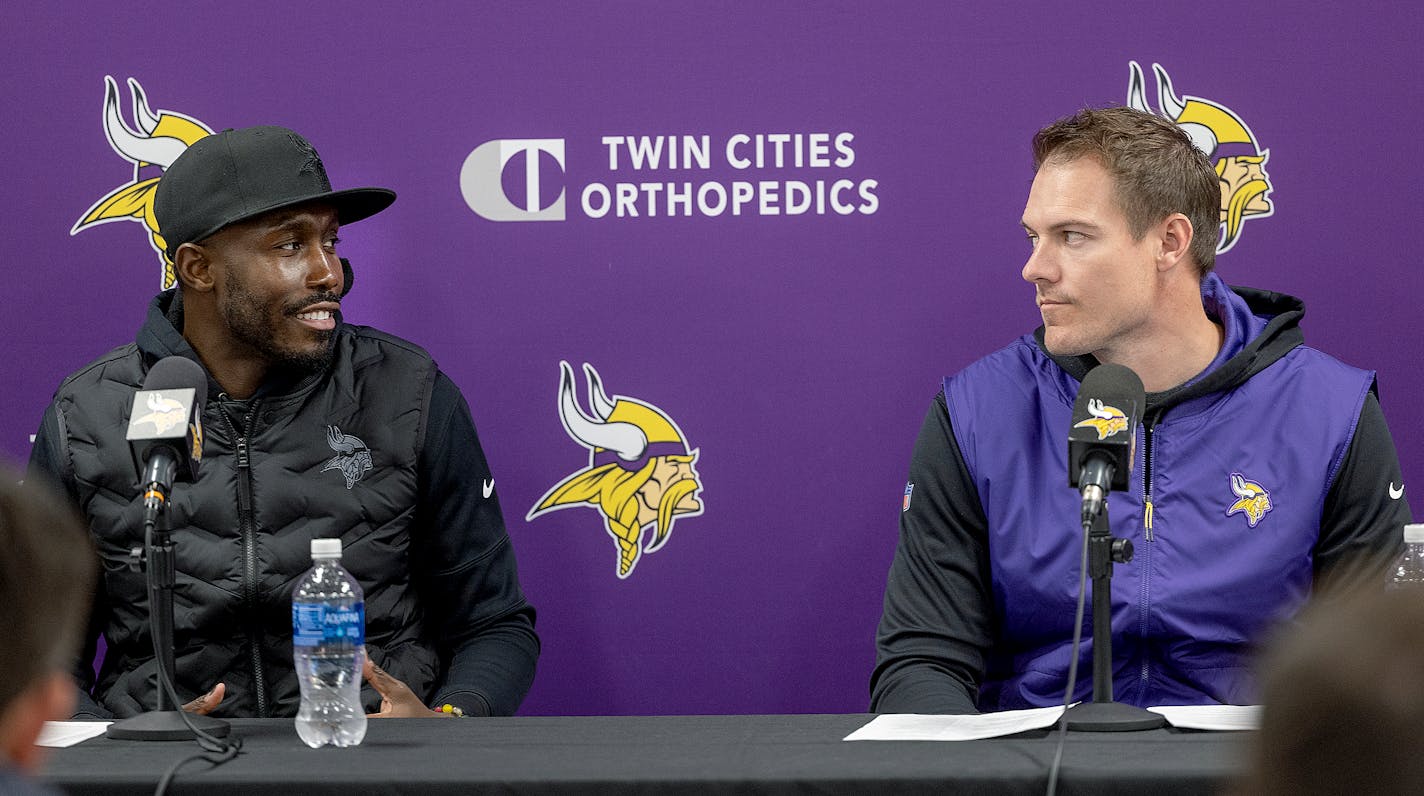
column 331, row 548
column 1414, row 533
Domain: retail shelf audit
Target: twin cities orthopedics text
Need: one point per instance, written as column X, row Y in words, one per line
column 778, row 174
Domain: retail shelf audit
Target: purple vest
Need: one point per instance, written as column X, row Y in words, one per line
column 1239, row 480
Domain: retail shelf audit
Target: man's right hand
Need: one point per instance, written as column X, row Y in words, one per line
column 208, row 702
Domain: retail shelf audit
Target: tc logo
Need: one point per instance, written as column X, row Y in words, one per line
column 494, row 195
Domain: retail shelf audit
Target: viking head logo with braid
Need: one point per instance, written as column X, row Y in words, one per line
column 159, row 140
column 640, row 472
column 1252, row 499
column 352, row 459
column 1228, row 143
column 1107, row 420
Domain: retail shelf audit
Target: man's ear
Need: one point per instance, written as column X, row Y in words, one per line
column 1175, row 237
column 193, row 266
column 50, row 698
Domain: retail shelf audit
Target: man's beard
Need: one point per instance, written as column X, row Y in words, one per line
column 246, row 320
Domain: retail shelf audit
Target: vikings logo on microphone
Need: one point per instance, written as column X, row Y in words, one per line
column 1252, row 499
column 640, row 472
column 161, row 137
column 1228, row 143
column 163, row 413
column 1108, row 420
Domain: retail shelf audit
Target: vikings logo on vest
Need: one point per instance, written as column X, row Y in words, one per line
column 493, row 194
column 352, row 457
column 1108, row 420
column 640, row 472
column 1252, row 499
column 1228, row 143
column 159, row 140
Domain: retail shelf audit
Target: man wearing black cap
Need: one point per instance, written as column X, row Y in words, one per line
column 312, row 428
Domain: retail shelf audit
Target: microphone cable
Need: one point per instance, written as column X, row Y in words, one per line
column 1072, row 665
column 215, row 750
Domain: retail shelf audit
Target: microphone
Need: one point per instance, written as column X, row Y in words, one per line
column 1102, row 439
column 165, row 431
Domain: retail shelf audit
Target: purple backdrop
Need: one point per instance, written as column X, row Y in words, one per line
column 796, row 352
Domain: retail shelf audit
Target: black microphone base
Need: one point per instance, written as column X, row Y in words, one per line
column 165, row 725
column 1111, row 717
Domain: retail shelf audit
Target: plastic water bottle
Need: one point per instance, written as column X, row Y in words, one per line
column 1408, row 570
column 328, row 634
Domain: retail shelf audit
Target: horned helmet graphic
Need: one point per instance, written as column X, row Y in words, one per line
column 640, row 473
column 160, row 138
column 1228, row 143
column 353, row 457
column 1108, row 420
column 1252, row 499
column 163, row 413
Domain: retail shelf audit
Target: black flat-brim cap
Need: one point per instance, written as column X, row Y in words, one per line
column 235, row 175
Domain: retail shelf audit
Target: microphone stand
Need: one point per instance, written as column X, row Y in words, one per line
column 1103, row 714
column 167, row 722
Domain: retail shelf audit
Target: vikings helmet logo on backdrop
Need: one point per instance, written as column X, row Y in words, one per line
column 640, row 472
column 161, row 137
column 1228, row 143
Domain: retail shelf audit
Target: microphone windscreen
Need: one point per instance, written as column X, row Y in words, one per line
column 174, row 373
column 1114, row 386
column 1105, row 416
column 168, row 412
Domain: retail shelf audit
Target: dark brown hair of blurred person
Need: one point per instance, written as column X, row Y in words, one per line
column 1344, row 699
column 47, row 570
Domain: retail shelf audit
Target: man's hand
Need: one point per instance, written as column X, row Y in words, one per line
column 397, row 700
column 208, row 702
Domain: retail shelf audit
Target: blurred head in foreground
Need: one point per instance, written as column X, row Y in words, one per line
column 47, row 569
column 1344, row 700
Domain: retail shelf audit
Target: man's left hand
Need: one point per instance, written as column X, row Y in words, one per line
column 397, row 700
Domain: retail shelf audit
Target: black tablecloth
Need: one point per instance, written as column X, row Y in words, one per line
column 654, row 754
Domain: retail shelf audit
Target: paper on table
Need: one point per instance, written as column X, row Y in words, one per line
column 1211, row 717
column 68, row 733
column 916, row 727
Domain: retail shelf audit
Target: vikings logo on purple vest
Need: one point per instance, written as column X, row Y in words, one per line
column 640, row 472
column 1228, row 143
column 352, row 457
column 1108, row 420
column 1252, row 499
column 161, row 137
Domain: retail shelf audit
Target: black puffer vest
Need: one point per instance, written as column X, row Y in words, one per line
column 279, row 469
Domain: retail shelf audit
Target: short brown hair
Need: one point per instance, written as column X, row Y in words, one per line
column 47, row 570
column 1155, row 168
column 1344, row 699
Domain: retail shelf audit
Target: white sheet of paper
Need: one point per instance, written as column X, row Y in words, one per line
column 1211, row 717
column 916, row 727
column 68, row 733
